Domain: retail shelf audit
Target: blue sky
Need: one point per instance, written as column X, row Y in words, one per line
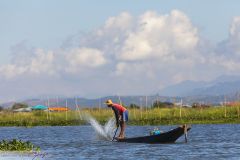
column 53, row 39
column 47, row 23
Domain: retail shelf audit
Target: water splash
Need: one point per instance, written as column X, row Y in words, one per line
column 103, row 132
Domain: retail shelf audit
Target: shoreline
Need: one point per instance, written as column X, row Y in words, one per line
column 156, row 116
column 130, row 123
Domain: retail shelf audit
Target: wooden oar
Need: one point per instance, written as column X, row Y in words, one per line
column 185, row 132
column 115, row 133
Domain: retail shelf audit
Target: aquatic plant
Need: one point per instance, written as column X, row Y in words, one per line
column 17, row 145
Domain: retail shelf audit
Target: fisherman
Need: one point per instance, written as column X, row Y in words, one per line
column 121, row 115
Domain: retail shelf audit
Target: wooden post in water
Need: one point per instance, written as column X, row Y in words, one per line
column 185, row 132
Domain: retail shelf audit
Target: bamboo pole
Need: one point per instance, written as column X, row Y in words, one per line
column 225, row 111
column 134, row 112
column 238, row 110
column 77, row 108
column 225, row 108
column 154, row 115
column 238, row 103
column 141, row 106
column 146, row 107
column 14, row 118
column 146, row 100
column 66, row 110
column 180, row 111
column 99, row 105
column 120, row 102
column 160, row 115
column 201, row 109
column 47, row 110
column 48, row 107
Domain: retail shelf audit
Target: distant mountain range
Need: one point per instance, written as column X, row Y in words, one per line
column 223, row 85
column 141, row 101
column 216, row 91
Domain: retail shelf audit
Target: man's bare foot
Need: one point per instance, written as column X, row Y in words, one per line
column 120, row 137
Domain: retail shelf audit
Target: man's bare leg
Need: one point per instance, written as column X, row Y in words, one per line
column 122, row 131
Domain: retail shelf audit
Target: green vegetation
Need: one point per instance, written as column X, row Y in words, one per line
column 17, row 145
column 213, row 115
column 131, row 106
column 159, row 104
column 19, row 105
column 145, row 116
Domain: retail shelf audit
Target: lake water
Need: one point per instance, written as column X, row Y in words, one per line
column 79, row 142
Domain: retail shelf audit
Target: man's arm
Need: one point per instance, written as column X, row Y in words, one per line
column 116, row 113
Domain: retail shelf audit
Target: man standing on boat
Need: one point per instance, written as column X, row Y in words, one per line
column 121, row 115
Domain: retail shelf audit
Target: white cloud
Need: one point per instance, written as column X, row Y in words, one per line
column 227, row 54
column 39, row 62
column 42, row 62
column 121, row 22
column 127, row 55
column 230, row 47
column 158, row 36
column 11, row 70
column 234, row 36
column 135, row 70
column 235, row 28
column 161, row 48
column 226, row 63
column 80, row 58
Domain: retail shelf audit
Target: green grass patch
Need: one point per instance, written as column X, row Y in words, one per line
column 146, row 116
column 17, row 145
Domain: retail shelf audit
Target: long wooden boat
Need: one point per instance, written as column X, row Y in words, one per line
column 165, row 137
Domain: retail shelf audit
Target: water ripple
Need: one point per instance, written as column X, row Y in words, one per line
column 79, row 142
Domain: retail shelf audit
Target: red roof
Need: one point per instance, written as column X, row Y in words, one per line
column 58, row 109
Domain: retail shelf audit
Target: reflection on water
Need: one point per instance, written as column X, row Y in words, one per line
column 23, row 155
column 80, row 142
